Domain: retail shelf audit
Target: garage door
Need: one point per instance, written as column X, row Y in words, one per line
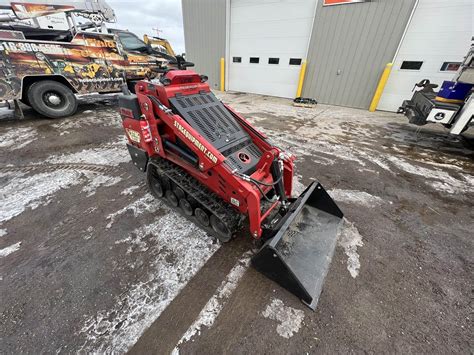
column 437, row 39
column 268, row 41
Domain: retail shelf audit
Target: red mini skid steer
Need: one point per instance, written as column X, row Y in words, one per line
column 206, row 159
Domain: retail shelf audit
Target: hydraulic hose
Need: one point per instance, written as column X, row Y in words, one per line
column 257, row 183
column 261, row 191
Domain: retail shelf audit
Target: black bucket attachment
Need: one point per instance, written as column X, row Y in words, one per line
column 299, row 255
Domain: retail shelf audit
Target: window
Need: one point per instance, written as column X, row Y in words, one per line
column 295, row 61
column 254, row 60
column 131, row 42
column 237, row 59
column 450, row 66
column 273, row 60
column 411, row 65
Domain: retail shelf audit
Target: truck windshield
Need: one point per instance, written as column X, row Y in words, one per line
column 132, row 43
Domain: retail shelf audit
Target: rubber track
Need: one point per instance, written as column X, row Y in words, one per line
column 54, row 167
column 206, row 198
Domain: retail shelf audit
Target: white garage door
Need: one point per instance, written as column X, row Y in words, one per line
column 438, row 38
column 268, row 41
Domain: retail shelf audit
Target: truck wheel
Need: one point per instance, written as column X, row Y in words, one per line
column 52, row 99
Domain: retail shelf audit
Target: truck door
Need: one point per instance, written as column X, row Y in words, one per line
column 137, row 56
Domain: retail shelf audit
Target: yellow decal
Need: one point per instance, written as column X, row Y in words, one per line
column 196, row 142
column 100, row 42
column 134, row 135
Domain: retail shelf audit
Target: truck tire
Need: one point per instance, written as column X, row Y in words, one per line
column 52, row 99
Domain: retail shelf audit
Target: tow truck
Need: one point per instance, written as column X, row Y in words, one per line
column 45, row 68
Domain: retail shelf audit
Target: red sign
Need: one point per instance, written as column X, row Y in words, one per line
column 338, row 2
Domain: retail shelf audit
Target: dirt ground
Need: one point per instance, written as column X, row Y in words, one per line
column 90, row 262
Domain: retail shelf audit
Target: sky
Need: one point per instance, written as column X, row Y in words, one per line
column 165, row 15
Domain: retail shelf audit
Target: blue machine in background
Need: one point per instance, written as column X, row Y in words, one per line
column 454, row 92
column 452, row 105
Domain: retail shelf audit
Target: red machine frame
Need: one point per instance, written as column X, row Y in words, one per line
column 158, row 122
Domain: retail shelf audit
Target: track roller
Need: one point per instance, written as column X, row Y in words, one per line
column 222, row 231
column 154, row 182
column 202, row 216
column 186, row 207
column 172, row 199
column 179, row 192
column 165, row 179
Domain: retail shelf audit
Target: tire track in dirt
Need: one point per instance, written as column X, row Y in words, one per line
column 53, row 167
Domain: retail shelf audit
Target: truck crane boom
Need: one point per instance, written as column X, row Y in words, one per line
column 97, row 11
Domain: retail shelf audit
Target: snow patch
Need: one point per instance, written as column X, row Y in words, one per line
column 87, row 119
column 3, row 232
column 213, row 307
column 145, row 204
column 443, row 181
column 129, row 190
column 17, row 138
column 330, row 146
column 111, row 154
column 98, row 180
column 350, row 239
column 33, row 191
column 290, row 319
column 353, row 196
column 11, row 249
column 175, row 261
column 89, row 233
column 298, row 187
column 22, row 192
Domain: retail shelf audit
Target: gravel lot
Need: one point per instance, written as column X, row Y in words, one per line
column 89, row 261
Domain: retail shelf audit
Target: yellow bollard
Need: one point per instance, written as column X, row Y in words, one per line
column 380, row 87
column 301, row 79
column 222, row 74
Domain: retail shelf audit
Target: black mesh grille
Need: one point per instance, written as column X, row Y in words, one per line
column 208, row 116
column 205, row 113
column 203, row 127
column 254, row 150
column 236, row 163
column 235, row 148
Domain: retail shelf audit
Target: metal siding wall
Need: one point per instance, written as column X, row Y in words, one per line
column 204, row 36
column 359, row 39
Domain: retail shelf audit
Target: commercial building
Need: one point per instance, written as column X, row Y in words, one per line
column 345, row 44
